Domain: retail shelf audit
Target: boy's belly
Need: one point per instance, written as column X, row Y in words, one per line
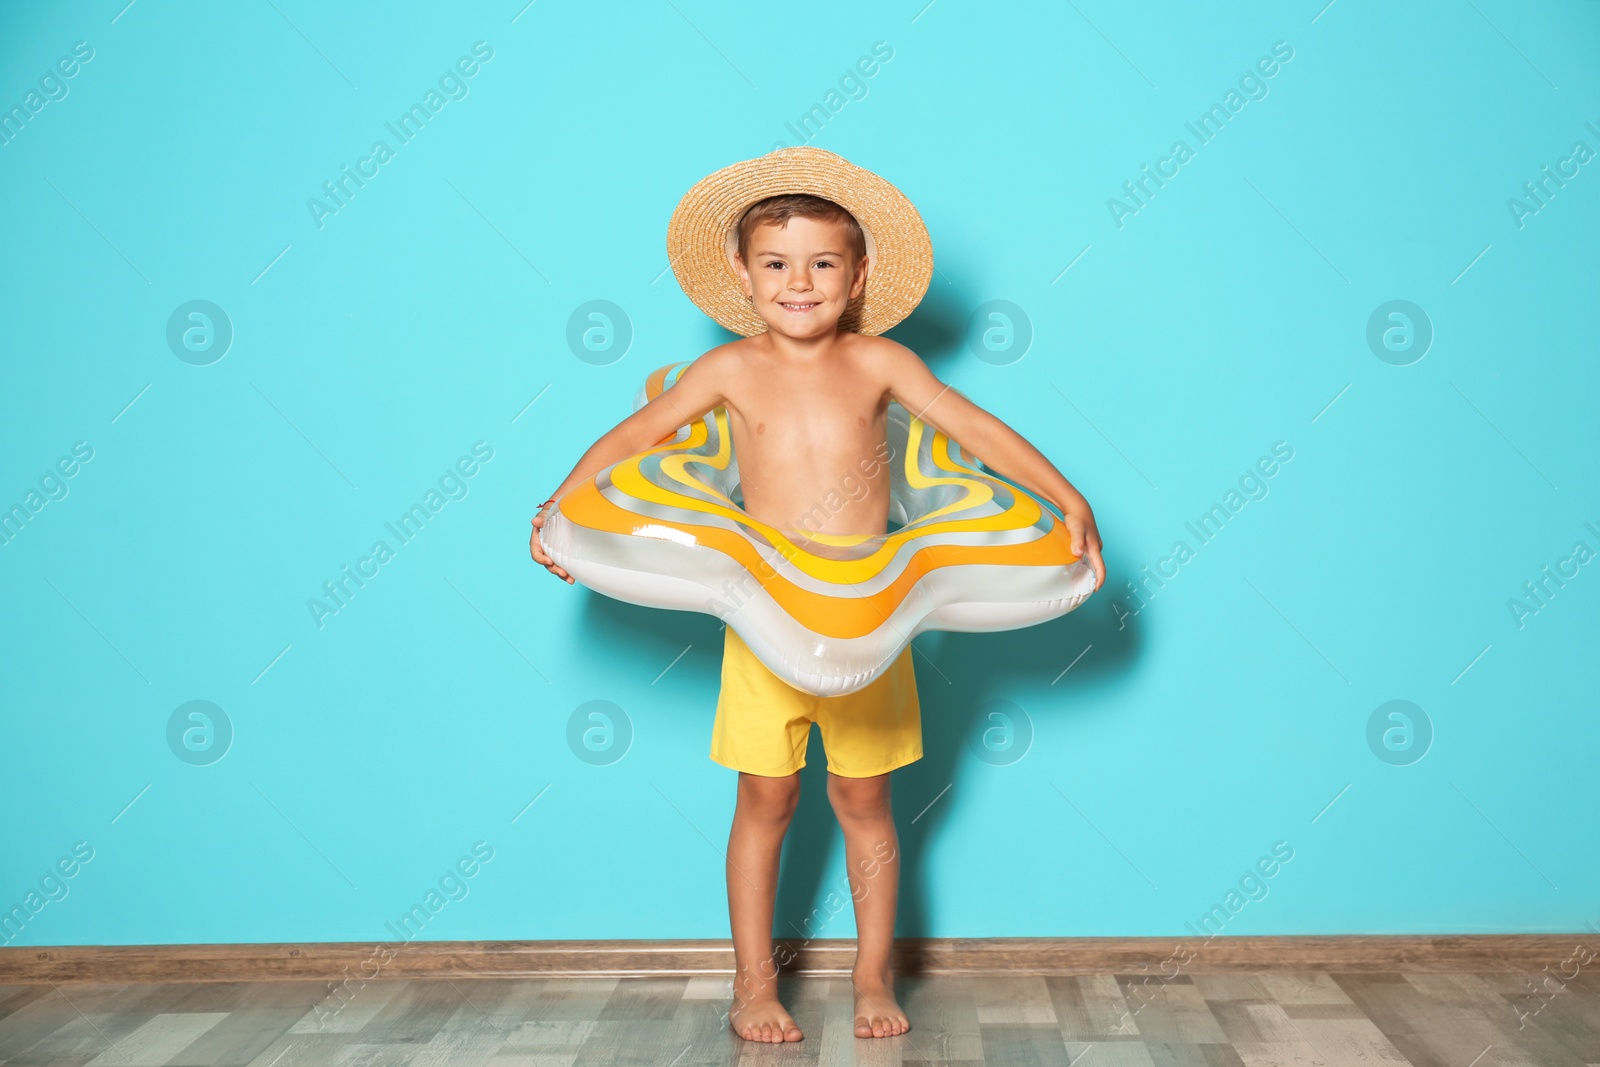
column 835, row 492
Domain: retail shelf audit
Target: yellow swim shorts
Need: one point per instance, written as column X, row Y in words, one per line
column 763, row 722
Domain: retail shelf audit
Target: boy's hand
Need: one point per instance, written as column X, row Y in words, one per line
column 1079, row 521
column 535, row 548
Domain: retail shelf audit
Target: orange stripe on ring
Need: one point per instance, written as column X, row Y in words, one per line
column 827, row 614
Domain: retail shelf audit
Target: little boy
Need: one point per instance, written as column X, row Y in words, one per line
column 777, row 248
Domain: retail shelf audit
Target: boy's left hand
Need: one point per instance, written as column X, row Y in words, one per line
column 1079, row 521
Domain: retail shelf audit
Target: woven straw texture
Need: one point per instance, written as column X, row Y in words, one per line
column 701, row 236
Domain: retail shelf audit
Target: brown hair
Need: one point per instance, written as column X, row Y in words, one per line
column 778, row 210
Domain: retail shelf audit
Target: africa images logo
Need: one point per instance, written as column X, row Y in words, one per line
column 452, row 85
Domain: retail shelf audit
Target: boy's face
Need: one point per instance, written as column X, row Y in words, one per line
column 801, row 276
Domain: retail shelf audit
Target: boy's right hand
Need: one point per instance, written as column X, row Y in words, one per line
column 540, row 556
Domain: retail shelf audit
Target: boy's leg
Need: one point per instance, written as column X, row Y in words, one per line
column 760, row 818
column 872, row 856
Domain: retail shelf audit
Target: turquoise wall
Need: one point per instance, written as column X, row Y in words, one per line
column 1386, row 482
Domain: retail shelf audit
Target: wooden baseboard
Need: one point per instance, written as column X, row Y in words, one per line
column 972, row 957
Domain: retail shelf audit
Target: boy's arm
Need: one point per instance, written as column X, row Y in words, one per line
column 697, row 391
column 998, row 445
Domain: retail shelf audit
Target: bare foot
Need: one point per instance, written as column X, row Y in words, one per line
column 878, row 1014
column 762, row 1018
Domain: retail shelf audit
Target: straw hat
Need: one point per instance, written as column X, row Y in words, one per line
column 703, row 236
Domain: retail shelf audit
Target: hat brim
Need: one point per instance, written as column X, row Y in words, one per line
column 702, row 236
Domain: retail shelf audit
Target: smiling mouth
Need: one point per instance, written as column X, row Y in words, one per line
column 799, row 306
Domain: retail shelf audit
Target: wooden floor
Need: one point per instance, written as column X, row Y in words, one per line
column 1277, row 1019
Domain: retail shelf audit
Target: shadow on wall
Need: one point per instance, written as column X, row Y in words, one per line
column 959, row 676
